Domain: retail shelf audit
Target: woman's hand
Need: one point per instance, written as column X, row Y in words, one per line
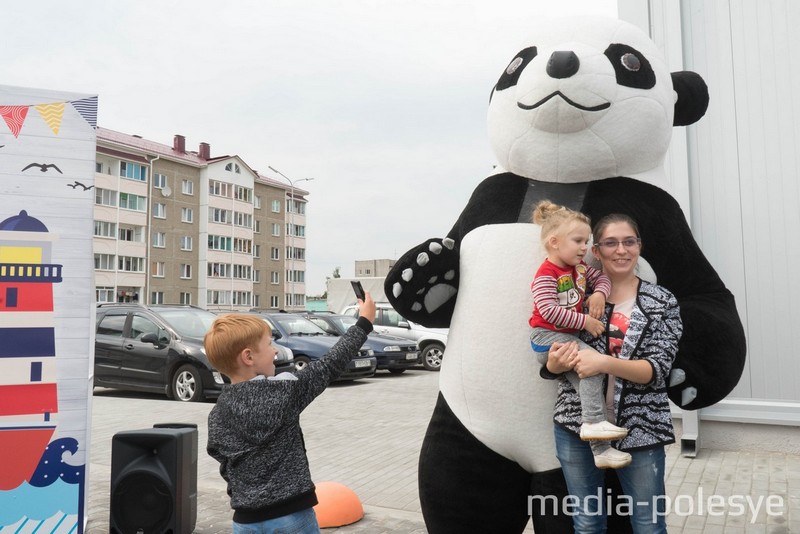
column 589, row 362
column 561, row 357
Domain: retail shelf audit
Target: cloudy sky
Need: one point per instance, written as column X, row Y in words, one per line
column 381, row 102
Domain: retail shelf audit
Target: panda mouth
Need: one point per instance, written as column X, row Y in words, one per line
column 564, row 97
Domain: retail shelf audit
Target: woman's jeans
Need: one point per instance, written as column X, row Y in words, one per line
column 302, row 522
column 642, row 482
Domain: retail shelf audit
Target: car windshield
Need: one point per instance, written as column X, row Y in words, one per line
column 344, row 322
column 299, row 326
column 189, row 322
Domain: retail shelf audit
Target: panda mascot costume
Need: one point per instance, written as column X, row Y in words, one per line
column 582, row 116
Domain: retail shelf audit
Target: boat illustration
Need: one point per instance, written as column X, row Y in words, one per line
column 28, row 392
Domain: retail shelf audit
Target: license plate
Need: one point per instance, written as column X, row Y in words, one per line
column 362, row 363
column 411, row 356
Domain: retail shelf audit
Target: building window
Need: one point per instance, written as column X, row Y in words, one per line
column 220, row 189
column 98, row 167
column 158, row 269
column 257, row 202
column 233, row 167
column 157, row 297
column 274, row 277
column 274, row 301
column 257, row 251
column 243, row 220
column 104, row 197
column 295, row 253
column 274, row 253
column 133, row 171
column 220, row 216
column 186, row 299
column 159, row 210
column 135, row 234
column 105, row 229
column 244, row 194
column 186, row 242
column 256, row 301
column 218, row 242
column 130, row 264
column 159, row 181
column 243, row 272
column 242, row 298
column 295, row 206
column 187, row 187
column 186, row 271
column 276, row 206
column 104, row 294
column 219, row 270
column 257, row 226
column 133, row 202
column 245, row 246
column 219, row 297
column 187, row 215
column 295, row 230
column 276, row 229
column 105, row 262
column 256, row 275
column 295, row 276
column 159, row 240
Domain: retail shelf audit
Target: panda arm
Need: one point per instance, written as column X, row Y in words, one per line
column 423, row 284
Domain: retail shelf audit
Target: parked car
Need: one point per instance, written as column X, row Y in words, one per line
column 431, row 341
column 309, row 342
column 157, row 348
column 395, row 354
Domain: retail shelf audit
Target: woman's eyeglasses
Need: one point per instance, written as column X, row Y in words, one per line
column 612, row 244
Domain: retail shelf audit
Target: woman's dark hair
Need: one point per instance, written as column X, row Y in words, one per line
column 612, row 218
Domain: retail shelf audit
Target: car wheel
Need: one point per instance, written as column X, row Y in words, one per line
column 301, row 362
column 187, row 386
column 397, row 371
column 432, row 356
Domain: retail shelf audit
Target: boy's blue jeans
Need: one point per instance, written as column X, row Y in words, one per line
column 302, row 522
column 642, row 481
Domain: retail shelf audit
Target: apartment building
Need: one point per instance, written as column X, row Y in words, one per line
column 178, row 226
column 366, row 268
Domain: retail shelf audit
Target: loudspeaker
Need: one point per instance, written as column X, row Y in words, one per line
column 154, row 480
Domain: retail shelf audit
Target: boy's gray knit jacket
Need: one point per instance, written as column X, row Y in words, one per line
column 254, row 433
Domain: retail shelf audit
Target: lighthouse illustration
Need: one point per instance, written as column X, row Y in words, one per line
column 28, row 392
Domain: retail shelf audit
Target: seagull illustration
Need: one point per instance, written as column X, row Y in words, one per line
column 42, row 167
column 77, row 183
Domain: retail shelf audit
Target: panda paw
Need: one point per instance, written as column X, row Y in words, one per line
column 431, row 281
column 688, row 393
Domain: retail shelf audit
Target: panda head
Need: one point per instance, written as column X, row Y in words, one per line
column 589, row 98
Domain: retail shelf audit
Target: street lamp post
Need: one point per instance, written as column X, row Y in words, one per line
column 291, row 224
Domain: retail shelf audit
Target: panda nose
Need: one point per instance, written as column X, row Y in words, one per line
column 562, row 64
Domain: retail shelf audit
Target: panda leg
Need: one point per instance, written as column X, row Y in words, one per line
column 466, row 487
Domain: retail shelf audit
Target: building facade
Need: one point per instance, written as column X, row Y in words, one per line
column 367, row 268
column 180, row 227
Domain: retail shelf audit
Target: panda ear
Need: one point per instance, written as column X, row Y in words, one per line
column 692, row 97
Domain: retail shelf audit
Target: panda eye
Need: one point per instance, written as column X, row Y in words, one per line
column 513, row 66
column 511, row 75
column 631, row 62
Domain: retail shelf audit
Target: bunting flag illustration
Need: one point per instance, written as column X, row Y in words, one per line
column 52, row 115
column 14, row 117
column 87, row 107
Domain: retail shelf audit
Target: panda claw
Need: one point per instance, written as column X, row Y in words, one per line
column 397, row 289
column 677, row 376
column 449, row 275
column 448, row 243
column 435, row 247
column 432, row 280
column 422, row 259
column 416, row 307
column 407, row 274
column 688, row 395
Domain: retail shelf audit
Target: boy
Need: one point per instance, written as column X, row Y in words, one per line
column 254, row 429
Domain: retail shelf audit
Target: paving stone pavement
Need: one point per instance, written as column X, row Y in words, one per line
column 367, row 434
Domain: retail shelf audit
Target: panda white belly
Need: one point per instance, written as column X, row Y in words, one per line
column 489, row 375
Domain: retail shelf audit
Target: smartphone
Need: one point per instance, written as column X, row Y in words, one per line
column 358, row 289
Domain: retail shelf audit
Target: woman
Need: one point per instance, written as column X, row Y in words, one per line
column 643, row 327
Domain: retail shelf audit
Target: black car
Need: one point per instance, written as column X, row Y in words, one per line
column 393, row 353
column 156, row 348
column 309, row 342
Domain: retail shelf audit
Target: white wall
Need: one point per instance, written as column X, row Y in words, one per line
column 743, row 188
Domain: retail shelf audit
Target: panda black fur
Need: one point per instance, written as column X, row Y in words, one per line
column 581, row 116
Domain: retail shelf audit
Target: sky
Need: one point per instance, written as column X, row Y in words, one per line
column 381, row 102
